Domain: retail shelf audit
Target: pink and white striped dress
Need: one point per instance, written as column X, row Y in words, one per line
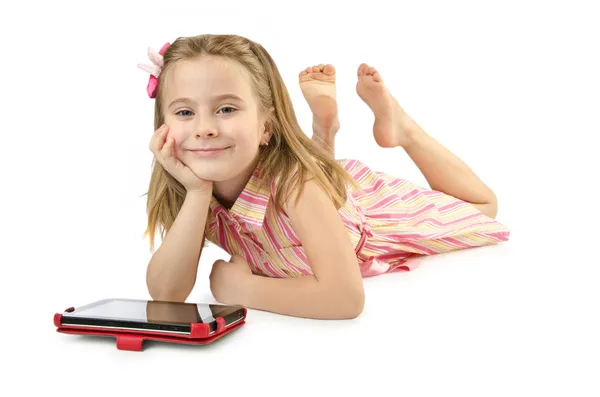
column 391, row 225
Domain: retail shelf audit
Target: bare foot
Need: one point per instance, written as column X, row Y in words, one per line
column 318, row 87
column 391, row 121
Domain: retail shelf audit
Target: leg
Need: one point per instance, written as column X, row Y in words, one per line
column 444, row 171
column 318, row 87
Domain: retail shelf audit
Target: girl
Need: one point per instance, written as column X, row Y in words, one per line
column 232, row 166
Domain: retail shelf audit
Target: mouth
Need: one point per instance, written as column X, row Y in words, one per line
column 208, row 152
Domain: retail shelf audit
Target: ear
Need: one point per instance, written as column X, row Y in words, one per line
column 268, row 125
column 267, row 132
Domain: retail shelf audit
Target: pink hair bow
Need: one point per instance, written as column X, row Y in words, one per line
column 157, row 65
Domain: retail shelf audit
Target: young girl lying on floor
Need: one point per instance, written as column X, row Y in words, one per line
column 233, row 166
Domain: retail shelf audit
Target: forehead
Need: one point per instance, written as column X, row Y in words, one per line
column 205, row 76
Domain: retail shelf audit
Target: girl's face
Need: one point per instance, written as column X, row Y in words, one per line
column 209, row 103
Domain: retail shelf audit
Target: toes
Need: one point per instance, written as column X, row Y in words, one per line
column 376, row 75
column 366, row 70
column 361, row 69
column 317, row 71
column 329, row 69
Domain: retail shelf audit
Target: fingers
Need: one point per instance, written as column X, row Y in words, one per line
column 166, row 153
column 167, row 149
column 158, row 139
column 163, row 147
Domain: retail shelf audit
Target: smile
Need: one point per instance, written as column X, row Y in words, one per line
column 207, row 153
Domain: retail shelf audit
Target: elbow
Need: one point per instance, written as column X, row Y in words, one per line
column 357, row 306
column 353, row 304
column 162, row 288
column 165, row 294
column 156, row 293
column 345, row 300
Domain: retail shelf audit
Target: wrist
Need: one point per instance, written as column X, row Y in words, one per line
column 204, row 193
column 248, row 288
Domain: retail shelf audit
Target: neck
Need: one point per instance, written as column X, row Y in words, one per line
column 227, row 192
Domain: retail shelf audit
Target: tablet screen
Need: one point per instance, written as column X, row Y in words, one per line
column 145, row 311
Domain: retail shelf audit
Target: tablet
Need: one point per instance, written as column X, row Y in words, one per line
column 149, row 315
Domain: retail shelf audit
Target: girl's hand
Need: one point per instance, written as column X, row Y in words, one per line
column 229, row 279
column 163, row 148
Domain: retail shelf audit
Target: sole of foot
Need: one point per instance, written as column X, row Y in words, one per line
column 318, row 87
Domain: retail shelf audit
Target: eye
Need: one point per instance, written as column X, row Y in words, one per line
column 187, row 114
column 227, row 107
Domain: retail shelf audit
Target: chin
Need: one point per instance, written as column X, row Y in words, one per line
column 212, row 176
column 219, row 174
column 219, row 171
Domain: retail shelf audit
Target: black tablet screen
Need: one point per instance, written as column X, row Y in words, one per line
column 143, row 311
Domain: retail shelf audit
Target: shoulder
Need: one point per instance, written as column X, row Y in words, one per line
column 315, row 219
column 288, row 183
column 304, row 195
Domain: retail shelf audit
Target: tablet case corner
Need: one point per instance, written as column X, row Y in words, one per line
column 202, row 330
column 57, row 319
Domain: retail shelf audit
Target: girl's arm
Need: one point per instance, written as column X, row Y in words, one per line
column 335, row 290
column 446, row 173
column 171, row 273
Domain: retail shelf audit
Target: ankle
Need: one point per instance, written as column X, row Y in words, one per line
column 327, row 127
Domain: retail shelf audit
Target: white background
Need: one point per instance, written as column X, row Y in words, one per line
column 511, row 87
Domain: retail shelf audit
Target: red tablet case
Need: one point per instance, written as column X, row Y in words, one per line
column 133, row 339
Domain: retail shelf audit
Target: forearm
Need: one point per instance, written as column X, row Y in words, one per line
column 303, row 296
column 171, row 273
column 444, row 171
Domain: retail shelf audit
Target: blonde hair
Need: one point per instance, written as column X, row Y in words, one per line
column 289, row 148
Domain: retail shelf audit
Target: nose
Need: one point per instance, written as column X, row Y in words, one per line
column 206, row 128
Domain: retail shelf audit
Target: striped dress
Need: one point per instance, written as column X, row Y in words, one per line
column 391, row 225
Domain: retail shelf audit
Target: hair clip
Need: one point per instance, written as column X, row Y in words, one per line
column 155, row 69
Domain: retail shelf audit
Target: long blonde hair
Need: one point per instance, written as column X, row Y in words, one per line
column 289, row 148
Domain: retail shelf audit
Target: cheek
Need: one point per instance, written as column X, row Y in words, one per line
column 176, row 134
column 242, row 131
column 177, row 129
